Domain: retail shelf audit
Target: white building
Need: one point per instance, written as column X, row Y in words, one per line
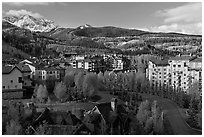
column 195, row 72
column 87, row 64
column 179, row 71
column 117, row 64
column 158, row 72
column 40, row 74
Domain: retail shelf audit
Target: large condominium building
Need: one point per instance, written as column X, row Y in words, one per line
column 195, row 72
column 158, row 71
column 179, row 72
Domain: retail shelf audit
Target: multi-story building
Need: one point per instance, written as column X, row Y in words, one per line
column 52, row 72
column 195, row 72
column 31, row 66
column 179, row 72
column 40, row 74
column 158, row 72
column 87, row 64
column 12, row 82
column 27, row 73
column 117, row 64
column 11, row 77
column 55, row 72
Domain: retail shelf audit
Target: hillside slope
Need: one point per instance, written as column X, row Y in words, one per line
column 9, row 52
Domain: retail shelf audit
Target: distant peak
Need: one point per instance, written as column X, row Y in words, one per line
column 85, row 26
column 29, row 22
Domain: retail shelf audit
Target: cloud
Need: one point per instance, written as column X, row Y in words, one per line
column 22, row 12
column 183, row 19
column 25, row 3
column 194, row 28
column 191, row 12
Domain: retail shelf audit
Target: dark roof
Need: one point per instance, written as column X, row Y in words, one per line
column 9, row 69
column 89, row 128
column 158, row 62
column 96, row 58
column 50, row 68
column 199, row 59
column 24, row 68
column 95, row 118
column 6, row 69
column 87, row 60
column 184, row 57
column 51, row 118
column 105, row 109
column 68, row 118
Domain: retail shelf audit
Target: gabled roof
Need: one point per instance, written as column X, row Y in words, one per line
column 105, row 110
column 24, row 68
column 26, row 61
column 9, row 69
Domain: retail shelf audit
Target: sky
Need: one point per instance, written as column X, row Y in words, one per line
column 183, row 17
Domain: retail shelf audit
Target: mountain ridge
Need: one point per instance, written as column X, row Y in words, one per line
column 31, row 23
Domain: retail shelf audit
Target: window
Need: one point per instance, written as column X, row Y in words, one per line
column 11, row 81
column 174, row 65
column 28, row 76
column 179, row 65
column 20, row 80
column 185, row 64
column 3, row 87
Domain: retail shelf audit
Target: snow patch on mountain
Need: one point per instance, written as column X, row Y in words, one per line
column 85, row 26
column 31, row 23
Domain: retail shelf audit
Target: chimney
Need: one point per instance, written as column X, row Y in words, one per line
column 114, row 104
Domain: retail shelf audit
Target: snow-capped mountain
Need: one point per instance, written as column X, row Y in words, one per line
column 85, row 26
column 31, row 23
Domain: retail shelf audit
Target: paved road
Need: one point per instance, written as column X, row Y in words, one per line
column 178, row 124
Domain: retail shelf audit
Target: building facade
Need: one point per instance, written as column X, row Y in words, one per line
column 158, row 72
column 11, row 78
column 179, row 72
